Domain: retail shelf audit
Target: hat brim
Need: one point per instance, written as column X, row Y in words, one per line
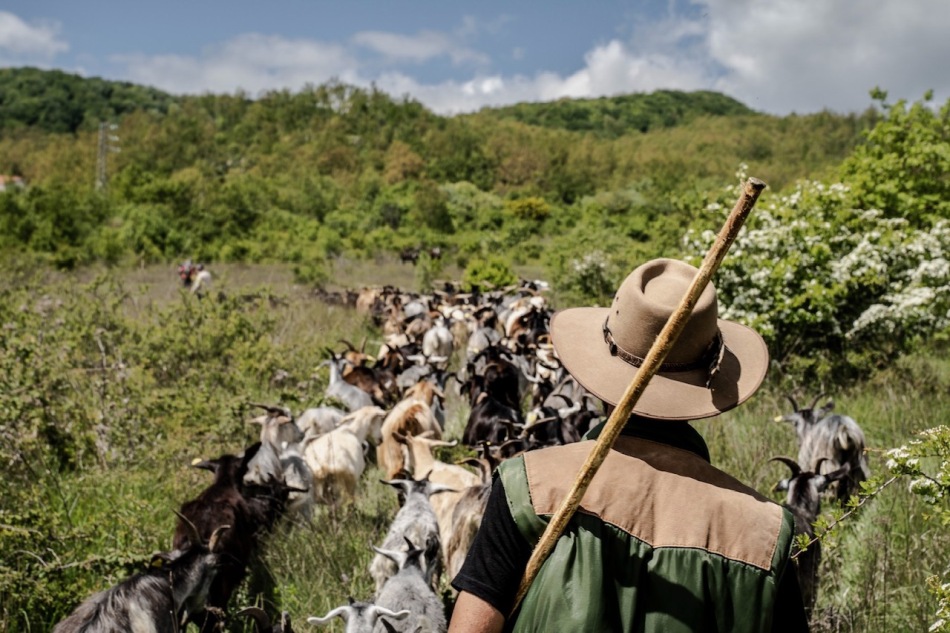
column 577, row 334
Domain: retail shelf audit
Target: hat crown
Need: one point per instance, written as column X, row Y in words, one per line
column 644, row 303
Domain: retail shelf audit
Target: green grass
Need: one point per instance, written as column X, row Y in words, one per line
column 66, row 532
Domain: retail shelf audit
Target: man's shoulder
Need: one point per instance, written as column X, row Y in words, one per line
column 662, row 495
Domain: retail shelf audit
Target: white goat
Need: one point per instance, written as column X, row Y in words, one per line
column 337, row 458
column 438, row 341
column 316, row 421
column 277, row 426
column 351, row 396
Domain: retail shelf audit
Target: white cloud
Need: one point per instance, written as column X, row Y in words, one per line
column 778, row 56
column 801, row 55
column 26, row 42
column 252, row 62
column 422, row 47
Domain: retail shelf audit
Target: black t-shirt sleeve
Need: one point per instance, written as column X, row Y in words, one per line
column 788, row 615
column 499, row 554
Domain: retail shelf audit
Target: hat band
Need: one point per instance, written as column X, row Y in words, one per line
column 710, row 359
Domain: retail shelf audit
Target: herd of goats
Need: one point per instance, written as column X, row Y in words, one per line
column 493, row 349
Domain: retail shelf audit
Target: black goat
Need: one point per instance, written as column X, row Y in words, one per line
column 494, row 397
column 803, row 499
column 223, row 503
column 158, row 600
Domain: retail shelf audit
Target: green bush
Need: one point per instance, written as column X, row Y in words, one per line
column 490, row 272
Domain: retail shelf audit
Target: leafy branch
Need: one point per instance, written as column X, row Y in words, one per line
column 855, row 504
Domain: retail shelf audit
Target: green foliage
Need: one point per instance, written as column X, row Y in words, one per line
column 55, row 101
column 532, row 208
column 487, row 273
column 925, row 461
column 903, row 165
column 428, row 269
column 624, row 114
column 106, row 395
column 338, row 169
column 314, row 274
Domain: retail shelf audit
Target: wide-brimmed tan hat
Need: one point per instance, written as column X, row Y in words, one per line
column 714, row 366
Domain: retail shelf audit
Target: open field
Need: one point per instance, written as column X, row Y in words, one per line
column 110, row 384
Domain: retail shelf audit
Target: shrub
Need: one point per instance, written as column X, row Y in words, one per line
column 818, row 278
column 491, row 271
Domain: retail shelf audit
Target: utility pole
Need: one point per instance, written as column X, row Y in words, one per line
column 107, row 143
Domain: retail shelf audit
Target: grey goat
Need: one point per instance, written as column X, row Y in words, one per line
column 833, row 437
column 416, row 521
column 362, row 617
column 410, row 590
column 155, row 601
column 803, row 499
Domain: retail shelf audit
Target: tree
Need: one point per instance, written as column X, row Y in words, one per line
column 903, row 166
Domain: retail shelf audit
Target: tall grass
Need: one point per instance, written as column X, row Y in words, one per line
column 172, row 380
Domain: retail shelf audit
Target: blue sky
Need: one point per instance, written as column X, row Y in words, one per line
column 777, row 56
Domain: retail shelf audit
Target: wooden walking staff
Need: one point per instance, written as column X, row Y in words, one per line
column 654, row 358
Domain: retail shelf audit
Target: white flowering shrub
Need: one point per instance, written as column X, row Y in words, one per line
column 818, row 278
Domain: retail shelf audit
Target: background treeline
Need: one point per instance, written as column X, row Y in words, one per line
column 845, row 264
column 334, row 169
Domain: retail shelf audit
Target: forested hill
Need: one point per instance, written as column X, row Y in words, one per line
column 336, row 169
column 614, row 116
column 54, row 101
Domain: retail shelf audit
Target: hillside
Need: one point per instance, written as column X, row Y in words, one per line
column 338, row 170
column 611, row 117
column 54, row 101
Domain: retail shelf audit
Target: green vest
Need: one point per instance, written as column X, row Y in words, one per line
column 661, row 542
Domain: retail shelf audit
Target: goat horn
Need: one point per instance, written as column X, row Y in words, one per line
column 216, row 536
column 383, row 611
column 815, row 403
column 259, row 616
column 195, row 534
column 792, row 400
column 339, row 612
column 791, row 463
column 349, row 345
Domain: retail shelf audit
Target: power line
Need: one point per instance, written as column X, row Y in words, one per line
column 108, row 142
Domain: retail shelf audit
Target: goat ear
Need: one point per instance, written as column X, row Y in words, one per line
column 781, row 486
